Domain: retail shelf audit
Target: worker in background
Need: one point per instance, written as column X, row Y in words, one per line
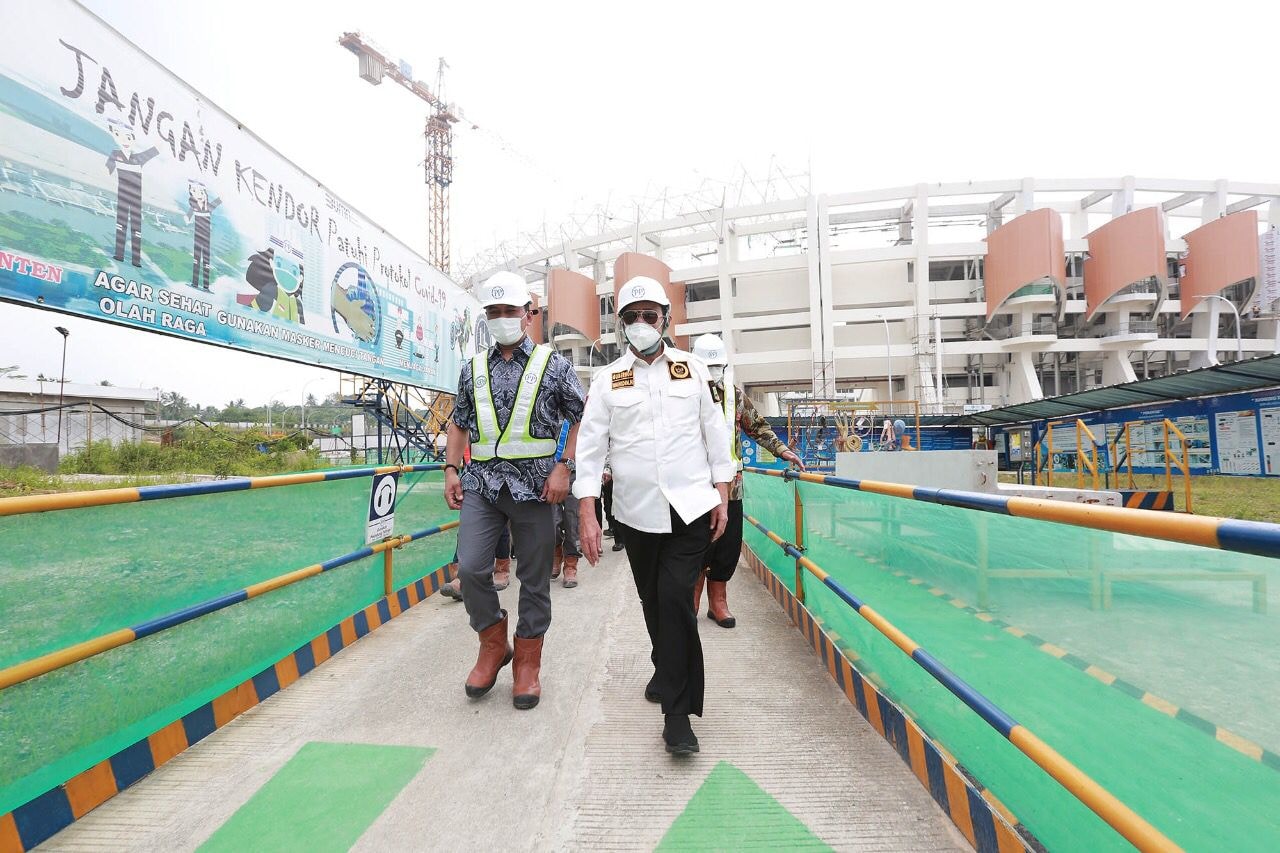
column 501, row 568
column 605, row 507
column 651, row 413
column 567, row 549
column 512, row 399
column 721, row 559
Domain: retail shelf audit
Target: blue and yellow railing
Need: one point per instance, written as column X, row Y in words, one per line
column 1103, row 803
column 107, row 497
column 1226, row 534
column 44, row 664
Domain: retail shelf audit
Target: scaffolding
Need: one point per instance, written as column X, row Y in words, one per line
column 818, row 429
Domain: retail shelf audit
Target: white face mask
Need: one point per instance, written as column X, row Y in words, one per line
column 506, row 330
column 643, row 337
column 716, row 371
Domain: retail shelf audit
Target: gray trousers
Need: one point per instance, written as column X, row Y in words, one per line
column 567, row 527
column 534, row 535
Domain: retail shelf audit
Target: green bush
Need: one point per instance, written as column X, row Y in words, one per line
column 196, row 450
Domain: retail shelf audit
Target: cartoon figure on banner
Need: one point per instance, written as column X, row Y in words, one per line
column 460, row 331
column 200, row 209
column 127, row 167
column 276, row 273
column 355, row 301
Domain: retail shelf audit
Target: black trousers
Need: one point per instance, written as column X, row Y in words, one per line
column 664, row 566
column 607, row 503
column 722, row 555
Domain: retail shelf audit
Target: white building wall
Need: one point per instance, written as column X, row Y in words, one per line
column 789, row 307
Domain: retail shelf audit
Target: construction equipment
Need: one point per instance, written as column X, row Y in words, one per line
column 411, row 421
column 438, row 166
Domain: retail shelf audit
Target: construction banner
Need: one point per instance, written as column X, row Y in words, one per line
column 126, row 196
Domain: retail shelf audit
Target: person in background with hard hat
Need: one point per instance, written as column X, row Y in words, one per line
column 651, row 413
column 511, row 402
column 739, row 413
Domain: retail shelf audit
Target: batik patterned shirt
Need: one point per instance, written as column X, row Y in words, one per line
column 559, row 399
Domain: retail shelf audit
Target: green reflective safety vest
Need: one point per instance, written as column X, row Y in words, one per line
column 730, row 402
column 514, row 441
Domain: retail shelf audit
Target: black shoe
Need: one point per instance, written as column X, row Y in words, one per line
column 618, row 546
column 650, row 692
column 608, row 531
column 678, row 735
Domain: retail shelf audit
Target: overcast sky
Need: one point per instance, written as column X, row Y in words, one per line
column 583, row 102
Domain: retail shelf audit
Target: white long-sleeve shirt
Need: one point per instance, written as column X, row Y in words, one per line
column 665, row 438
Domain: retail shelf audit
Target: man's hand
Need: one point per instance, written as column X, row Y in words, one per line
column 719, row 521
column 790, row 456
column 589, row 537
column 452, row 489
column 557, row 485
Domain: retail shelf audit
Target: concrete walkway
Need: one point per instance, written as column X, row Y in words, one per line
column 585, row 770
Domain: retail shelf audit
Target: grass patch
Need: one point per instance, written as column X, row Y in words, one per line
column 1248, row 498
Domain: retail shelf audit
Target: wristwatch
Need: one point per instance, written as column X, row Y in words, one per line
column 570, row 464
column 455, row 468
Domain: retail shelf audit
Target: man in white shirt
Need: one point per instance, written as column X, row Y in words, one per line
column 667, row 443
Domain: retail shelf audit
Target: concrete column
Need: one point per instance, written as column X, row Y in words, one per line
column 1204, row 322
column 1024, row 384
column 1116, row 368
column 926, row 392
column 1122, row 200
column 812, row 255
column 726, row 257
column 1026, row 201
column 570, row 258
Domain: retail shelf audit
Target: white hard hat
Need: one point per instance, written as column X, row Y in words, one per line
column 642, row 289
column 503, row 288
column 710, row 349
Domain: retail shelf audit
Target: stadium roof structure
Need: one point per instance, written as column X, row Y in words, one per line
column 1232, row 378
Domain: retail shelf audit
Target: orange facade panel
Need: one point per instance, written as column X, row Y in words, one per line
column 1219, row 254
column 1126, row 250
column 631, row 264
column 537, row 331
column 572, row 302
column 1026, row 250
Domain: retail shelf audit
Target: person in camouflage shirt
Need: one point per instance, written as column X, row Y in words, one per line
column 721, row 558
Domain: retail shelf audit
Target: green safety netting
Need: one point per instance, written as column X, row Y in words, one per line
column 71, row 575
column 1152, row 666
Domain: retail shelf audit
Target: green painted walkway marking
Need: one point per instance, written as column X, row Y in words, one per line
column 731, row 812
column 323, row 799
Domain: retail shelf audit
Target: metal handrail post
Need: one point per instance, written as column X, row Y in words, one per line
column 799, row 502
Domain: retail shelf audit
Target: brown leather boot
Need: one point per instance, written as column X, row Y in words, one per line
column 495, row 653
column 556, row 560
column 502, row 574
column 718, row 604
column 570, row 572
column 453, row 589
column 526, row 689
column 697, row 591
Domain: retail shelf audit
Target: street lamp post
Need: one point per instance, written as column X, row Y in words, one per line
column 305, row 386
column 1239, row 328
column 591, row 352
column 888, row 356
column 271, row 402
column 62, row 381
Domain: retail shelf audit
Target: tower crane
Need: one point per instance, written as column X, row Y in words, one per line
column 438, row 166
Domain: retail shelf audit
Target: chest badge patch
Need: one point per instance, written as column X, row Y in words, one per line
column 623, row 379
column 678, row 370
